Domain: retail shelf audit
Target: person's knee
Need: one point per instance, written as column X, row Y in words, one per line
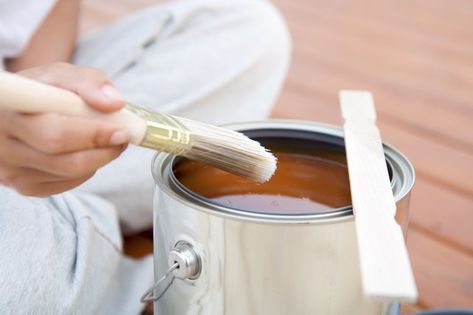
column 247, row 64
column 251, row 26
column 268, row 70
column 265, row 21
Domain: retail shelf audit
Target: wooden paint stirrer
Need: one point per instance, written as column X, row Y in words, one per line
column 385, row 268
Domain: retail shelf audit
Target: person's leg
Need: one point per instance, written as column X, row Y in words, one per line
column 62, row 255
column 210, row 60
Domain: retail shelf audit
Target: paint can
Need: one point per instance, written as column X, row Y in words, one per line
column 212, row 258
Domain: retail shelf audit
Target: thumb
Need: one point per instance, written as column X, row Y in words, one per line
column 102, row 96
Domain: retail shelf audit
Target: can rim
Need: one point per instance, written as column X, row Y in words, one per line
column 403, row 175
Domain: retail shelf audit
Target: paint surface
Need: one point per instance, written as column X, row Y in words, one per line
column 306, row 181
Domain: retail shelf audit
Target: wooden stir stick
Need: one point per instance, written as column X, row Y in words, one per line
column 385, row 268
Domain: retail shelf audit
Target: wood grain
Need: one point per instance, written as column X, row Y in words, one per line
column 385, row 268
column 444, row 274
column 441, row 162
column 443, row 213
column 419, row 70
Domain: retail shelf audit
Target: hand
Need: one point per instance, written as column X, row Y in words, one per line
column 44, row 154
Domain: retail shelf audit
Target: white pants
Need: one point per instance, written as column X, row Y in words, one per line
column 210, row 60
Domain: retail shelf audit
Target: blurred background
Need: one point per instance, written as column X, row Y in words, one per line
column 416, row 56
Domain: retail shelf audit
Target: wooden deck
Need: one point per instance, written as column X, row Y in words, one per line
column 416, row 56
column 417, row 59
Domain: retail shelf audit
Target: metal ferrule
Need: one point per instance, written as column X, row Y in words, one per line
column 163, row 132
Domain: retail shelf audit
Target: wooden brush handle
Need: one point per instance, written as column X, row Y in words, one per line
column 28, row 96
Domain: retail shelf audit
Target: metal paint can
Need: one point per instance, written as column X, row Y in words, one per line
column 220, row 260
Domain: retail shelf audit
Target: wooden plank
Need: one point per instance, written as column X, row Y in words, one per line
column 446, row 165
column 314, row 38
column 397, row 71
column 405, row 19
column 420, row 79
column 444, row 275
column 431, row 20
column 443, row 212
column 436, row 161
column 365, row 33
column 447, row 124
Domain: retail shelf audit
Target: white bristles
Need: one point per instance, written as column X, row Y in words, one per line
column 229, row 150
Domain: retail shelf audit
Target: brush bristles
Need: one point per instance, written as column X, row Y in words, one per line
column 230, row 151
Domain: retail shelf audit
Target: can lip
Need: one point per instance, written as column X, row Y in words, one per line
column 403, row 175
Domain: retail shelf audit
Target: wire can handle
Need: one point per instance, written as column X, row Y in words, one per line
column 149, row 296
column 184, row 263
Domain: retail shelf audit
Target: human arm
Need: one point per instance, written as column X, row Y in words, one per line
column 53, row 41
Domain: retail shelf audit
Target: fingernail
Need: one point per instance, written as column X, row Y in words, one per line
column 111, row 93
column 118, row 137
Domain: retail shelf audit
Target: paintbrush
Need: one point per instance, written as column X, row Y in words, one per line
column 223, row 148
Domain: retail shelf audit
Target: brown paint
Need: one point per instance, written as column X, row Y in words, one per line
column 307, row 182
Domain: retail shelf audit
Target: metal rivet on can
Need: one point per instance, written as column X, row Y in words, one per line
column 188, row 260
column 184, row 263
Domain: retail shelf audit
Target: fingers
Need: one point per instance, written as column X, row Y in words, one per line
column 89, row 83
column 57, row 134
column 69, row 165
column 51, row 188
column 80, row 163
column 14, row 175
column 31, row 182
column 35, row 173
